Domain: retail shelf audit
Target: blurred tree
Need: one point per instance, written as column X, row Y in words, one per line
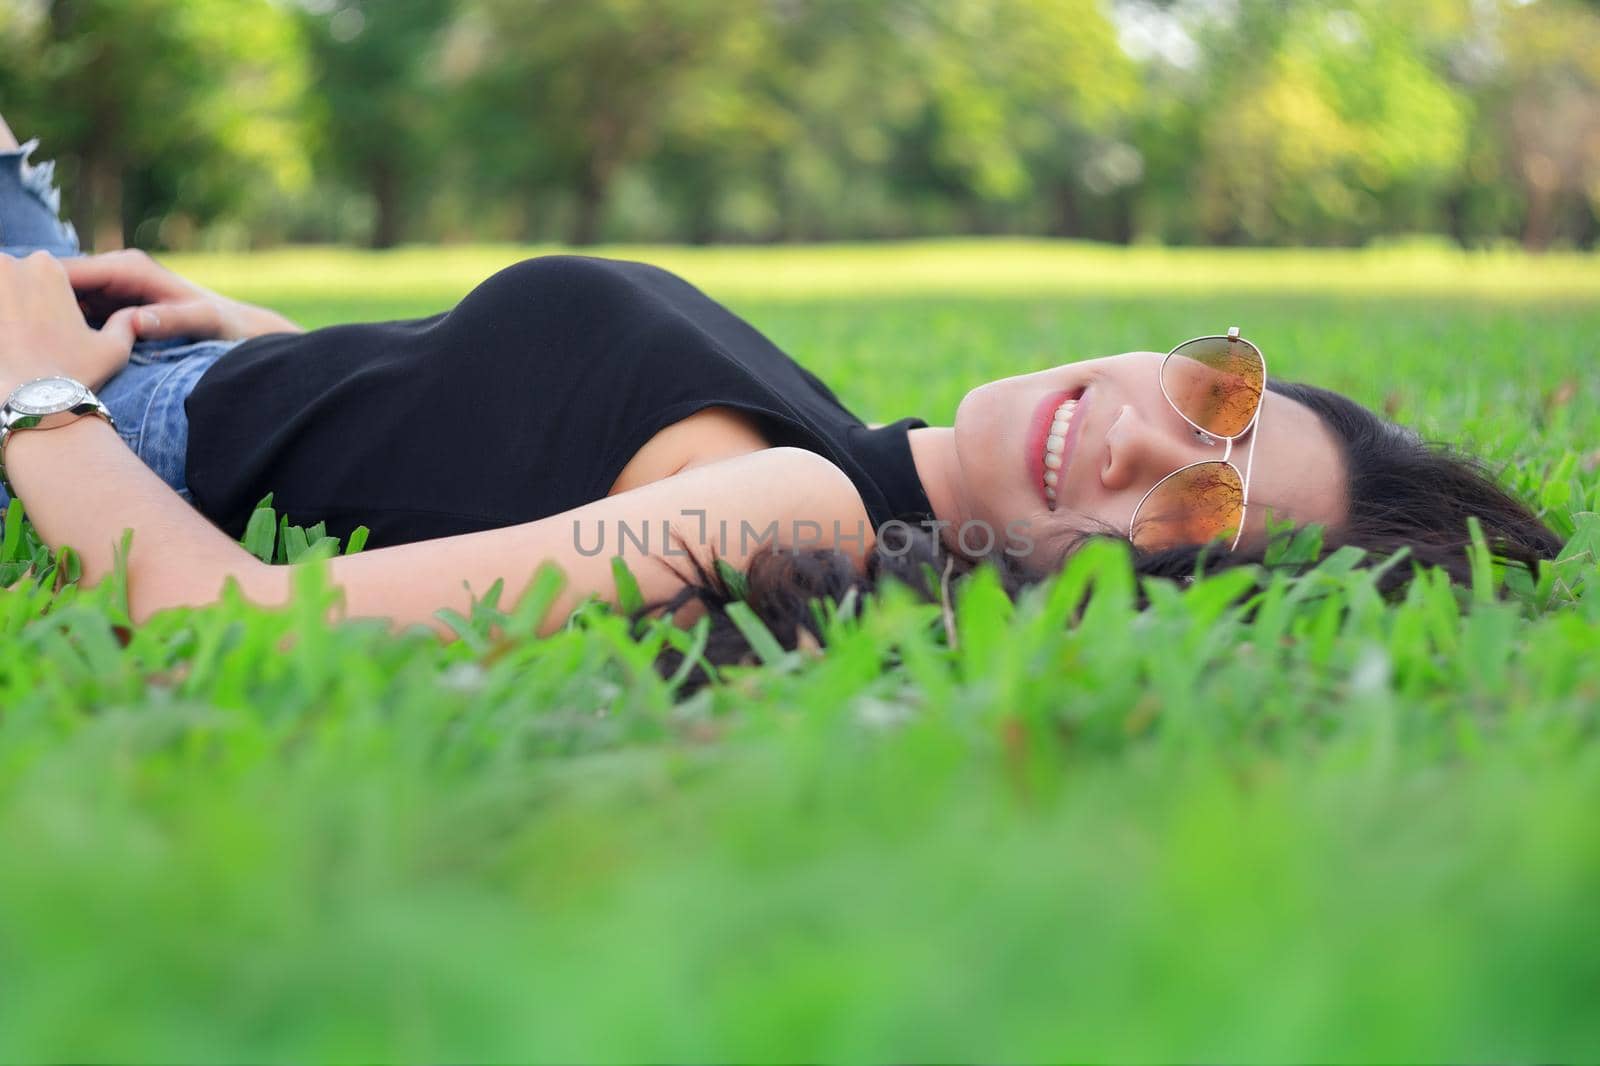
column 1321, row 121
column 375, row 65
column 1309, row 121
column 835, row 101
column 1029, row 100
column 847, row 118
column 1539, row 132
column 570, row 94
column 159, row 104
column 715, row 130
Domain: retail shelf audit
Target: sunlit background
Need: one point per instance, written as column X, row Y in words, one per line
column 224, row 124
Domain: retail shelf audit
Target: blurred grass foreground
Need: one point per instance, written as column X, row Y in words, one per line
column 1333, row 829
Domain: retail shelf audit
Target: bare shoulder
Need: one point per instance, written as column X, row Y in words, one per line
column 814, row 469
column 799, row 496
column 710, row 434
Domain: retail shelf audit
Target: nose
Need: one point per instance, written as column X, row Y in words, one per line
column 1141, row 451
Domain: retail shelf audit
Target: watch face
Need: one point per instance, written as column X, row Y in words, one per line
column 47, row 396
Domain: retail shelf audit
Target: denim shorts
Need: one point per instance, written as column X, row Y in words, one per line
column 145, row 397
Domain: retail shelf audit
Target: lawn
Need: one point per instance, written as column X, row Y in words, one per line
column 1343, row 830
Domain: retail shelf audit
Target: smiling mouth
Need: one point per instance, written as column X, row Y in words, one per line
column 1055, row 445
column 1060, row 440
column 1050, row 440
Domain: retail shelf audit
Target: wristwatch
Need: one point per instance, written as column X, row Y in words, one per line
column 45, row 403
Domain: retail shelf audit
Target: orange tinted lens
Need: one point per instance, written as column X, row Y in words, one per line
column 1216, row 383
column 1194, row 505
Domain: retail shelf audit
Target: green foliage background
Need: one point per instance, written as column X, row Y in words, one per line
column 233, row 123
column 1342, row 831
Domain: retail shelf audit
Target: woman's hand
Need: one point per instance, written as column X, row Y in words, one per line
column 163, row 305
column 42, row 331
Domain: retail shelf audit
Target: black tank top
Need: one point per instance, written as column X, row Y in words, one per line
column 525, row 400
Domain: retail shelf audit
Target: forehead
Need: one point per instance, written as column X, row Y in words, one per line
column 1298, row 470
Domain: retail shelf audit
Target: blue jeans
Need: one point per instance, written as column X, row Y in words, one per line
column 145, row 397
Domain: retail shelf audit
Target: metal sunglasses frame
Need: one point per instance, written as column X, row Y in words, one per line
column 1208, row 439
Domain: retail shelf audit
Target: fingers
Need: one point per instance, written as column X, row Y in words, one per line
column 129, row 271
column 96, row 270
column 43, row 263
column 44, row 330
column 163, row 321
column 36, row 276
column 120, row 328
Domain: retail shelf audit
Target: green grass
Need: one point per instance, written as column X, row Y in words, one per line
column 1343, row 831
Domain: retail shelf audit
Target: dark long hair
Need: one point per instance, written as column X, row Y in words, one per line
column 1403, row 492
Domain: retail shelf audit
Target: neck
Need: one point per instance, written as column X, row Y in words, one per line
column 933, row 450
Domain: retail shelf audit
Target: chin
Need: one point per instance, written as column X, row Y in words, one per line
column 979, row 418
column 988, row 452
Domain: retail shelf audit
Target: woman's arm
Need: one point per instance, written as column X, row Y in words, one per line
column 784, row 497
column 82, row 486
column 159, row 304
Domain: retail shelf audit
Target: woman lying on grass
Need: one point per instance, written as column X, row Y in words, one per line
column 571, row 409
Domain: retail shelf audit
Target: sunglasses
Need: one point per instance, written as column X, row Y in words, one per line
column 1217, row 384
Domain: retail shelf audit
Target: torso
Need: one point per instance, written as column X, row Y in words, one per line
column 526, row 389
column 709, row 434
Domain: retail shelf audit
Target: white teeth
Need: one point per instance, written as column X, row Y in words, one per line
column 1059, row 425
column 1054, row 445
